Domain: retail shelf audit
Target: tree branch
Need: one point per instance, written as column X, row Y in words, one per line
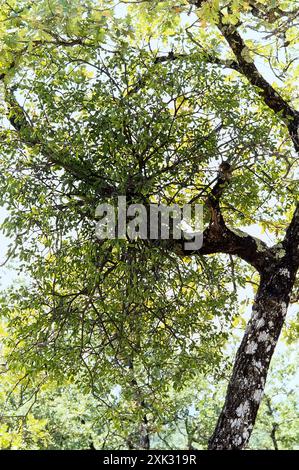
column 232, row 64
column 218, row 238
column 31, row 137
column 247, row 67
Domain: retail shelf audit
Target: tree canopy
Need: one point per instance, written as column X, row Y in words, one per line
column 146, row 99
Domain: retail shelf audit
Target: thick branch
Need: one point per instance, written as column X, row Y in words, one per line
column 32, row 138
column 218, row 238
column 246, row 66
column 233, row 242
column 270, row 96
column 212, row 59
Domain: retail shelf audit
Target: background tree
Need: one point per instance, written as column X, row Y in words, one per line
column 46, row 415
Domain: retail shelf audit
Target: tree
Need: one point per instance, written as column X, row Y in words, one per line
column 87, row 119
column 44, row 415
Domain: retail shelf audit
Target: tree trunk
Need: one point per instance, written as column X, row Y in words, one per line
column 247, row 383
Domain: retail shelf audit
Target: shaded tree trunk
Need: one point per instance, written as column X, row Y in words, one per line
column 246, row 386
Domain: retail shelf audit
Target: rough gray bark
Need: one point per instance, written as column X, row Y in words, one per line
column 252, row 361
